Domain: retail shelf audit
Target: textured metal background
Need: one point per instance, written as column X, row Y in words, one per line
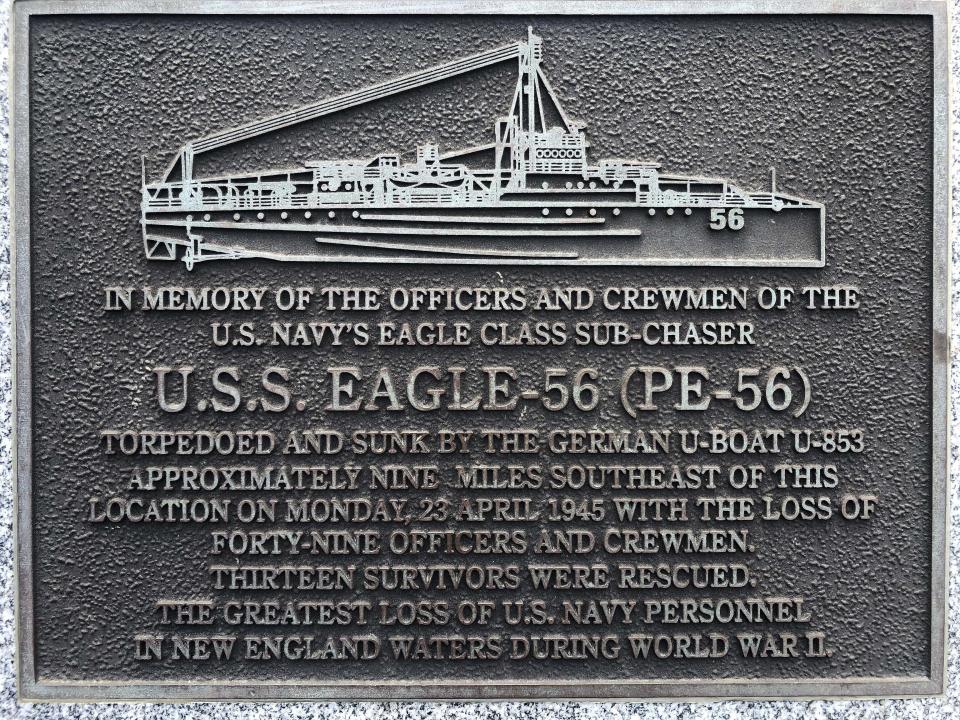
column 704, row 95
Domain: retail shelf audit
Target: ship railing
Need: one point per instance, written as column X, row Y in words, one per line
column 430, row 198
column 346, row 197
column 561, row 167
column 620, row 171
column 629, row 173
column 261, row 202
column 549, row 139
column 729, row 200
column 228, row 203
column 336, row 171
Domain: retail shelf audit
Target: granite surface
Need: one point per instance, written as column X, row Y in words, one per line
column 946, row 707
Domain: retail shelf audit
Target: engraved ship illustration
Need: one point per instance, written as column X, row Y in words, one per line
column 537, row 201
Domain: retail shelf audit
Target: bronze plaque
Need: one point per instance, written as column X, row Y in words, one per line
column 581, row 351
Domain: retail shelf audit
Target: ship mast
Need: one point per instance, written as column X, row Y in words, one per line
column 524, row 129
column 529, row 71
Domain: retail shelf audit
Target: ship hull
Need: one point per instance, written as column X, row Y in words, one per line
column 541, row 233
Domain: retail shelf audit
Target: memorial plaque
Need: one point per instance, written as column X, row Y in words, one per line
column 547, row 350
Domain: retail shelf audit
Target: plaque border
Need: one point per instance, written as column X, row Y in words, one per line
column 31, row 688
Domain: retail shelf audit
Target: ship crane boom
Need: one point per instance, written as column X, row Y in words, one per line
column 368, row 94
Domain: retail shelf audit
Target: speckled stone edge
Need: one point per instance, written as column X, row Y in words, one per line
column 949, row 706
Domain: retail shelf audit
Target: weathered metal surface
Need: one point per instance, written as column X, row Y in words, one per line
column 823, row 329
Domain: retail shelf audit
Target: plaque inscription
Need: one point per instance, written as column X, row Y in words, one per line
column 440, row 355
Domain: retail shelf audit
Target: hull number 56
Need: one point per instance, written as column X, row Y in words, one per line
column 721, row 219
